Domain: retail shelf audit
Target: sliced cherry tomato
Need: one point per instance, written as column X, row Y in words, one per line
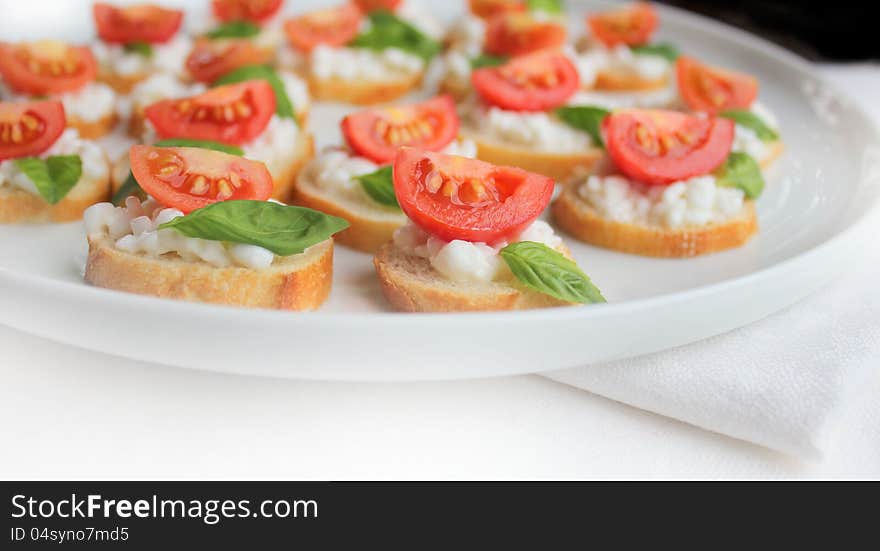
column 29, row 128
column 460, row 198
column 711, row 89
column 660, row 147
column 535, row 82
column 371, row 5
column 189, row 178
column 256, row 11
column 332, row 27
column 46, row 67
column 140, row 23
column 519, row 33
column 631, row 26
column 211, row 59
column 233, row 114
column 377, row 133
column 491, row 8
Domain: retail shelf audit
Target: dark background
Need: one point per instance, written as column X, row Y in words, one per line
column 833, row 30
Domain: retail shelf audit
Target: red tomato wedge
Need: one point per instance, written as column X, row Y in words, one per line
column 46, row 67
column 660, row 147
column 211, row 59
column 535, row 82
column 29, row 128
column 332, row 27
column 139, row 23
column 711, row 89
column 233, row 114
column 377, row 133
column 459, row 198
column 515, row 34
column 372, row 5
column 189, row 178
column 491, row 8
column 631, row 26
column 256, row 11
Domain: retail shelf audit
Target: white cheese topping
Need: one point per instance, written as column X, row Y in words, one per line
column 94, row 163
column 745, row 140
column 297, row 90
column 619, row 59
column 168, row 57
column 274, row 146
column 134, row 228
column 416, row 15
column 698, row 201
column 464, row 261
column 665, row 97
column 362, row 63
column 467, row 34
column 91, row 103
column 163, row 86
column 537, row 130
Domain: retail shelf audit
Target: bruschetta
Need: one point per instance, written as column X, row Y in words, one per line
column 670, row 187
column 208, row 234
column 48, row 173
column 51, row 69
column 472, row 240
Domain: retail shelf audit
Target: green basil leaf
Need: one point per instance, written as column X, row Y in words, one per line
column 752, row 122
column 234, row 29
column 53, row 177
column 129, row 188
column 379, row 185
column 201, row 144
column 546, row 6
column 547, row 271
column 740, row 170
column 486, row 60
column 284, row 230
column 585, row 117
column 389, row 31
column 663, row 49
column 143, row 48
column 283, row 104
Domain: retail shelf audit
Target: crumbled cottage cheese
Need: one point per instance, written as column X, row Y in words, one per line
column 745, row 140
column 167, row 57
column 535, row 130
column 362, row 63
column 91, row 103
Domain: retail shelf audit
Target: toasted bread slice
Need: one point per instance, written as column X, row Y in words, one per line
column 92, row 130
column 776, row 150
column 559, row 166
column 411, row 284
column 19, row 206
column 122, row 84
column 371, row 225
column 298, row 282
column 580, row 219
column 362, row 92
column 626, row 81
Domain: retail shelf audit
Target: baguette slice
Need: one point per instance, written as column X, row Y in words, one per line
column 776, row 150
column 580, row 219
column 626, row 81
column 19, row 206
column 298, row 282
column 362, row 92
column 371, row 225
column 92, row 130
column 559, row 166
column 411, row 284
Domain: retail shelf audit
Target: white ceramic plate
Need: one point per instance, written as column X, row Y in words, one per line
column 827, row 181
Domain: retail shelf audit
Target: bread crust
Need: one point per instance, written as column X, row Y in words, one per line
column 777, row 148
column 411, row 285
column 559, row 166
column 365, row 233
column 627, row 81
column 362, row 92
column 289, row 284
column 20, row 206
column 578, row 218
column 122, row 84
column 92, row 130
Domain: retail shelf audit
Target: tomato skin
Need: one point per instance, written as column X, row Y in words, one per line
column 16, row 70
column 490, row 8
column 711, row 89
column 372, row 5
column 211, row 59
column 141, row 23
column 250, row 104
column 551, row 76
column 197, row 177
column 331, row 27
column 513, row 198
column 45, row 122
column 631, row 25
column 514, row 34
column 694, row 145
column 367, row 131
column 256, row 11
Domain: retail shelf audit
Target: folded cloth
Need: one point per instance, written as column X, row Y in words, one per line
column 782, row 382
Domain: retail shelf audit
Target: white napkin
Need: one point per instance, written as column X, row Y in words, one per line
column 782, row 382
